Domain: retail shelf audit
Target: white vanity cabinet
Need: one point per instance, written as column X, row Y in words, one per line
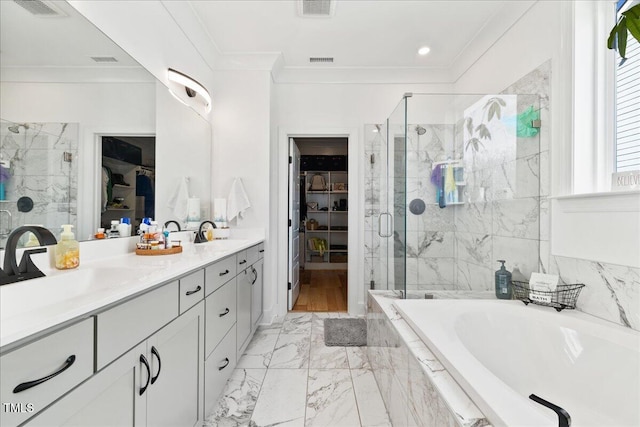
column 249, row 294
column 157, row 383
column 150, row 359
column 35, row 375
column 243, row 292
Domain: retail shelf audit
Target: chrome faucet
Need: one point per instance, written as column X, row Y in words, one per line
column 200, row 237
column 12, row 272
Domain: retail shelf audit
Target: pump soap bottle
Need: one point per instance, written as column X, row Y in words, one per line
column 503, row 282
column 67, row 250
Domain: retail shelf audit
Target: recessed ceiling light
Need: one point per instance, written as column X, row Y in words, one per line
column 424, row 50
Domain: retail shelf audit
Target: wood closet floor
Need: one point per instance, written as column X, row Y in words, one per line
column 322, row 290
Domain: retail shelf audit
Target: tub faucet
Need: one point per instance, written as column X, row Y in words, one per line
column 200, row 237
column 171, row 221
column 12, row 272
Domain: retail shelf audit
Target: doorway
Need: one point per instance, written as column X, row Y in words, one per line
column 128, row 180
column 320, row 189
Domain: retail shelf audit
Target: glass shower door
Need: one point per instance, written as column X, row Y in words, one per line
column 385, row 202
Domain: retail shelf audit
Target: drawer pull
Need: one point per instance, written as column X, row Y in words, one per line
column 154, row 352
column 224, row 272
column 261, row 250
column 226, row 363
column 198, row 289
column 143, row 360
column 244, row 261
column 226, row 311
column 29, row 384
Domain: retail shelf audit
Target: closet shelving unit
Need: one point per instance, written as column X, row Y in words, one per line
column 331, row 215
column 128, row 192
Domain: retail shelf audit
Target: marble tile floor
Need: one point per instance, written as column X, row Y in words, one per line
column 288, row 377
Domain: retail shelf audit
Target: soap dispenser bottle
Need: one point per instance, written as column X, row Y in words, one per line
column 67, row 250
column 503, row 282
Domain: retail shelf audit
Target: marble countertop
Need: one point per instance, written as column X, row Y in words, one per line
column 32, row 307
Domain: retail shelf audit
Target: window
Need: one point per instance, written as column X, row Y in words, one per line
column 627, row 123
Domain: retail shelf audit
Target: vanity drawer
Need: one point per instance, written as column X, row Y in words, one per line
column 125, row 325
column 191, row 290
column 219, row 273
column 220, row 309
column 254, row 253
column 243, row 262
column 219, row 366
column 65, row 356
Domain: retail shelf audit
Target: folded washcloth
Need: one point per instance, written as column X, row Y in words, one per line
column 238, row 201
column 178, row 202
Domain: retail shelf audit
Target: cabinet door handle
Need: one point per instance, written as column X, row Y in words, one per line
column 255, row 275
column 226, row 311
column 244, row 261
column 146, row 364
column 226, row 363
column 224, row 272
column 154, row 352
column 261, row 250
column 25, row 386
column 198, row 289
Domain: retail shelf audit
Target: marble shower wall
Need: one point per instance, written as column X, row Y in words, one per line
column 38, row 170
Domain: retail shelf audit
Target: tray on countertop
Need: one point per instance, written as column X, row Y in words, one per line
column 170, row 251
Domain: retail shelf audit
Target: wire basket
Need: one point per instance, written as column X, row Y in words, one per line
column 564, row 296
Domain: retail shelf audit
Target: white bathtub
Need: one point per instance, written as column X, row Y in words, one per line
column 500, row 352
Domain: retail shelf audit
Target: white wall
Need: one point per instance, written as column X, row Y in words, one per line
column 99, row 108
column 331, row 110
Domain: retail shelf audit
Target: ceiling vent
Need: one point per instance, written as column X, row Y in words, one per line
column 320, row 60
column 316, row 8
column 40, row 8
column 104, row 59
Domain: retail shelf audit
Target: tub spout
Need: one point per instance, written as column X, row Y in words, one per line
column 564, row 419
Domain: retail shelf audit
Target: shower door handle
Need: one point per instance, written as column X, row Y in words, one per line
column 389, row 224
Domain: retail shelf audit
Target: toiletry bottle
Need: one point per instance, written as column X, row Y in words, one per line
column 517, row 276
column 67, row 250
column 503, row 282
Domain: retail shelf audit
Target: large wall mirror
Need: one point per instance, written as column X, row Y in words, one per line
column 67, row 90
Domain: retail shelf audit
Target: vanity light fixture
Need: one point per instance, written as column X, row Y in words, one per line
column 424, row 50
column 191, row 87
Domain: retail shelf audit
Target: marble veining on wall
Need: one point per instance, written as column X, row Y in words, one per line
column 36, row 165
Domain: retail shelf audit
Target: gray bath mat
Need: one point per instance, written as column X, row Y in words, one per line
column 345, row 332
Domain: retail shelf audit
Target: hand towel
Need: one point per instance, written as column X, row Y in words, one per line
column 238, row 201
column 178, row 202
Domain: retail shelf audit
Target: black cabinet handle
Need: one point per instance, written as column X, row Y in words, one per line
column 244, row 261
column 226, row 363
column 224, row 272
column 25, row 386
column 146, row 364
column 226, row 311
column 198, row 289
column 261, row 250
column 154, row 352
column 255, row 275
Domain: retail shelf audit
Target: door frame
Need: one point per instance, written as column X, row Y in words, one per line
column 355, row 275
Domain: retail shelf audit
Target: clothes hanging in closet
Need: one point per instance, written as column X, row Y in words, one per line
column 144, row 187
